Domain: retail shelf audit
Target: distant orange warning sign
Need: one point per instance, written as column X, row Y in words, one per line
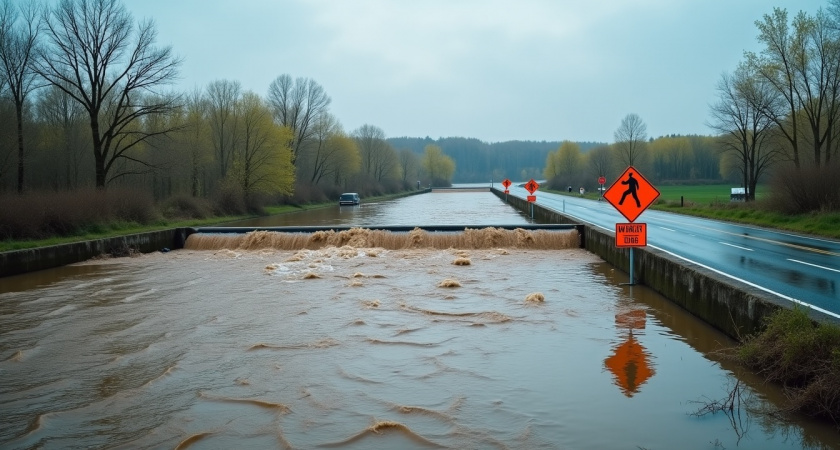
column 532, row 186
column 532, row 198
column 631, row 194
column 506, row 183
column 630, row 234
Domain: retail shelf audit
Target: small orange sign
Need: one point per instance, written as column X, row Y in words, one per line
column 532, row 186
column 506, row 183
column 507, row 191
column 532, row 198
column 631, row 194
column 630, row 234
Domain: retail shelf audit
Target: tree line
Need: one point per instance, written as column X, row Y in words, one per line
column 86, row 99
column 481, row 162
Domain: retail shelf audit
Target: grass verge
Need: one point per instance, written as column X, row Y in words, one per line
column 825, row 224
column 107, row 230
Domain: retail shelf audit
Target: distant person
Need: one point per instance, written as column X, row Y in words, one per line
column 632, row 185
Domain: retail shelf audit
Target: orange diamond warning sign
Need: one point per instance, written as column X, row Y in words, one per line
column 631, row 194
column 506, row 183
column 532, row 186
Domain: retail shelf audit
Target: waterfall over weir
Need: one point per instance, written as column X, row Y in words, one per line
column 542, row 237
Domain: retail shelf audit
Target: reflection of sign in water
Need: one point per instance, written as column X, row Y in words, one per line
column 633, row 319
column 630, row 366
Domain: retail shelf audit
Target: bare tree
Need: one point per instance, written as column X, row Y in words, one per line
column 600, row 161
column 64, row 131
column 325, row 127
column 298, row 105
column 18, row 39
column 630, row 139
column 776, row 66
column 196, row 138
column 379, row 159
column 98, row 58
column 740, row 116
column 223, row 99
column 410, row 165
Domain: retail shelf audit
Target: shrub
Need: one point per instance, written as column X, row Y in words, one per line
column 229, row 199
column 38, row 215
column 308, row 193
column 182, row 206
column 129, row 205
column 801, row 355
column 810, row 189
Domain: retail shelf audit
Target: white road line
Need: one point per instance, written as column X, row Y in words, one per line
column 786, row 297
column 668, row 229
column 720, row 272
column 814, row 265
column 737, row 246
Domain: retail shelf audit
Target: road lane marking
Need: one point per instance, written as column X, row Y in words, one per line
column 814, row 265
column 736, row 246
column 727, row 275
column 786, row 297
column 771, row 241
column 668, row 229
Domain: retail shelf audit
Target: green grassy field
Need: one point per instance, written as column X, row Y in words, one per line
column 700, row 195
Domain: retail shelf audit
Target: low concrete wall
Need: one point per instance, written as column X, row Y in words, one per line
column 733, row 307
column 29, row 260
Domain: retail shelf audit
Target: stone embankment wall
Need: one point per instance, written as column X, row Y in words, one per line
column 733, row 307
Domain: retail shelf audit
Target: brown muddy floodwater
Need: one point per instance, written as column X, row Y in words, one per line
column 363, row 346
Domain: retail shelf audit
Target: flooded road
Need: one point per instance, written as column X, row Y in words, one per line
column 365, row 347
column 438, row 208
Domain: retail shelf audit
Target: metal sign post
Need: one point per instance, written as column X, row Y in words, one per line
column 631, row 194
column 532, row 187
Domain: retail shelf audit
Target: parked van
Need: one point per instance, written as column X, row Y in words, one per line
column 349, row 198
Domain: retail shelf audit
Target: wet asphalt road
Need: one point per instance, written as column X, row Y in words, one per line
column 798, row 268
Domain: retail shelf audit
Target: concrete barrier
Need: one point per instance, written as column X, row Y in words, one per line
column 22, row 261
column 733, row 307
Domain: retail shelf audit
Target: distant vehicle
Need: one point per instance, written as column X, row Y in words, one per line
column 349, row 198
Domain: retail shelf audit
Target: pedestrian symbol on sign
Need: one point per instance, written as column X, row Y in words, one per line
column 632, row 186
column 631, row 183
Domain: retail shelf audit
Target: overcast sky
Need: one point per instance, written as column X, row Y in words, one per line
column 493, row 70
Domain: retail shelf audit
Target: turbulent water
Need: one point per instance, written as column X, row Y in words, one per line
column 471, row 238
column 364, row 346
